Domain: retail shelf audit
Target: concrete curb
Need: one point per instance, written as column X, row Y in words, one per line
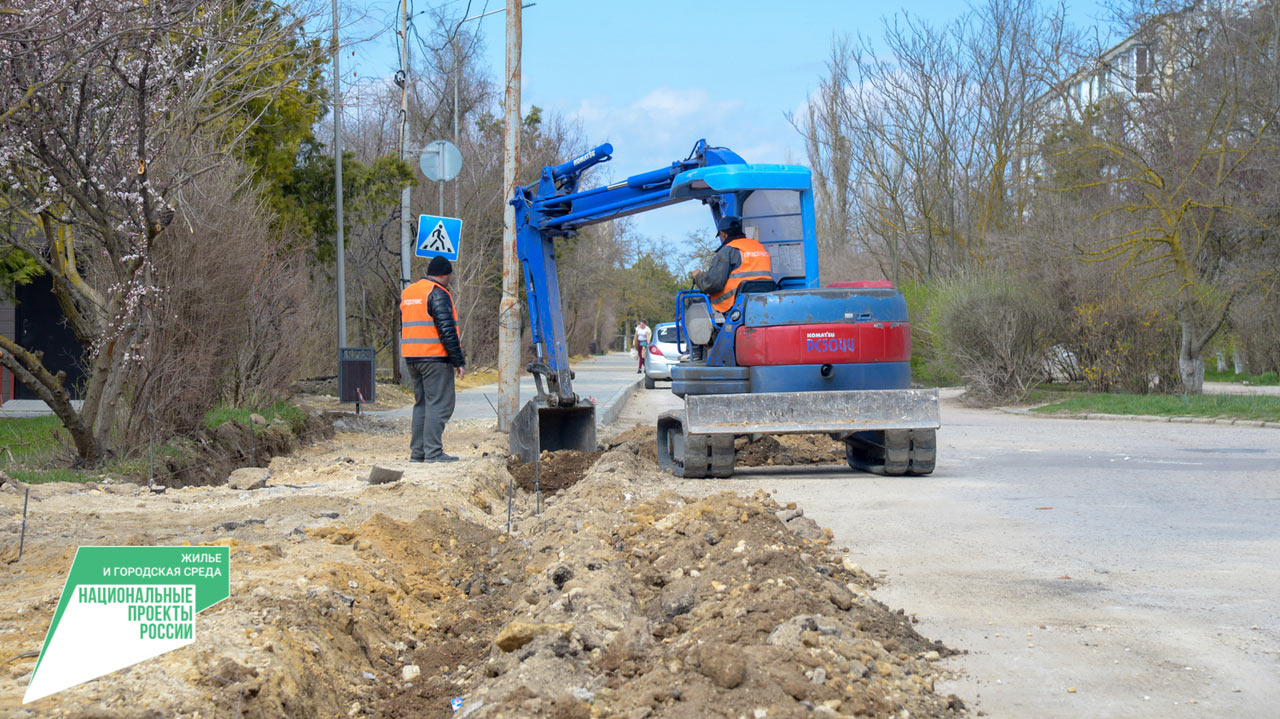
column 611, row 408
column 1147, row 418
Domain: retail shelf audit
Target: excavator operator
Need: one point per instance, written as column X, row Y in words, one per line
column 739, row 259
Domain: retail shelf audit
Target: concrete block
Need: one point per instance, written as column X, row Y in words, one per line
column 382, row 475
column 247, row 478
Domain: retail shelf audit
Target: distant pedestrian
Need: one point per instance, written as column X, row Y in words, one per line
column 643, row 334
column 431, row 344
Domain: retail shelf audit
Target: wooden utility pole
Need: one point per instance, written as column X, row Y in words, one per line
column 509, row 309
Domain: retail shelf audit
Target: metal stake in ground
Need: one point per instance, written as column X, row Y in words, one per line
column 511, row 488
column 22, row 540
column 537, row 489
column 495, row 409
column 151, row 464
column 253, row 442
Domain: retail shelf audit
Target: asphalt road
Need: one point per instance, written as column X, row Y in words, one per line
column 1089, row 568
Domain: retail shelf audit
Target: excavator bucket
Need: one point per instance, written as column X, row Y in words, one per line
column 538, row 429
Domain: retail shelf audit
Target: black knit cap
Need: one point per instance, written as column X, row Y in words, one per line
column 439, row 267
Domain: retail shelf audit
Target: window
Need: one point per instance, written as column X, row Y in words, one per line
column 1143, row 72
column 667, row 333
column 775, row 217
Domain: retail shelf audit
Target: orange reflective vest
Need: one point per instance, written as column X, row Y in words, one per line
column 418, row 334
column 756, row 265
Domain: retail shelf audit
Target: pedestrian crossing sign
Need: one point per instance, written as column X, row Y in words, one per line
column 438, row 236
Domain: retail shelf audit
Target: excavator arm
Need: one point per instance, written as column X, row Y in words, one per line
column 553, row 208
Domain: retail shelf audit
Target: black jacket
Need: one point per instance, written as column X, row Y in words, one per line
column 440, row 307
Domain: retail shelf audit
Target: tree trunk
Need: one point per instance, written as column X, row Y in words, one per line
column 27, row 368
column 1190, row 361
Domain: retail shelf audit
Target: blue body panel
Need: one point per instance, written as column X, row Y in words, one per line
column 723, row 179
column 808, row 378
column 803, row 307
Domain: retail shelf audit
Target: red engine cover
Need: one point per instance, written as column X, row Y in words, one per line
column 832, row 343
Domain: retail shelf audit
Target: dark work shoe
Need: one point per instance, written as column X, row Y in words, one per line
column 442, row 458
column 417, row 459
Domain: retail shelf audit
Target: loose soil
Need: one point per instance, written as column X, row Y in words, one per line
column 620, row 599
column 769, row 450
column 789, row 449
column 553, row 472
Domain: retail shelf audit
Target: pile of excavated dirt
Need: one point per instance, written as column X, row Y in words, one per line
column 621, row 599
column 670, row 606
column 644, row 438
column 789, row 449
column 785, row 449
column 553, row 472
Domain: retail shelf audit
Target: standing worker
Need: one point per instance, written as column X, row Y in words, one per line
column 642, row 343
column 739, row 259
column 431, row 346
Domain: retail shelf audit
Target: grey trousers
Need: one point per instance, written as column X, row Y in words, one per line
column 433, row 399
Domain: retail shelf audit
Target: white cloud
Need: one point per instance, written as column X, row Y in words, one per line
column 658, row 126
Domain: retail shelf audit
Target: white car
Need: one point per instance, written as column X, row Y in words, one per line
column 662, row 353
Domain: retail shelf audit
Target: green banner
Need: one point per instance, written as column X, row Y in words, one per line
column 122, row 605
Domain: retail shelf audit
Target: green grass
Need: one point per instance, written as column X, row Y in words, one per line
column 1165, row 405
column 61, row 474
column 1270, row 379
column 294, row 416
column 30, row 438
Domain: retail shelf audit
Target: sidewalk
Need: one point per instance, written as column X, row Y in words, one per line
column 1237, row 388
column 608, row 379
column 31, row 408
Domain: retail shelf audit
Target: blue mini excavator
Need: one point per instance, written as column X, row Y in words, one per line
column 789, row 357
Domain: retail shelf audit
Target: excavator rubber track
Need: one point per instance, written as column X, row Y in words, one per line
column 693, row 455
column 893, row 452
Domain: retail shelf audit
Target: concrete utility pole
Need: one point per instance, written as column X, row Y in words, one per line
column 406, row 220
column 509, row 309
column 457, row 80
column 337, row 184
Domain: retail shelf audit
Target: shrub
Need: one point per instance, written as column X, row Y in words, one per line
column 1124, row 346
column 927, row 366
column 1256, row 321
column 994, row 333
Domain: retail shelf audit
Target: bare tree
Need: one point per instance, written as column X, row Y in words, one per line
column 1180, row 149
column 921, row 147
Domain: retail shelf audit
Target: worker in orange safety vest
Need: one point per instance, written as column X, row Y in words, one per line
column 739, row 259
column 431, row 344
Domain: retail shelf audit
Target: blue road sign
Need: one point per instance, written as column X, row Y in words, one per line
column 440, row 236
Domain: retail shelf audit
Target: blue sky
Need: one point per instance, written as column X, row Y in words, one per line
column 653, row 77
